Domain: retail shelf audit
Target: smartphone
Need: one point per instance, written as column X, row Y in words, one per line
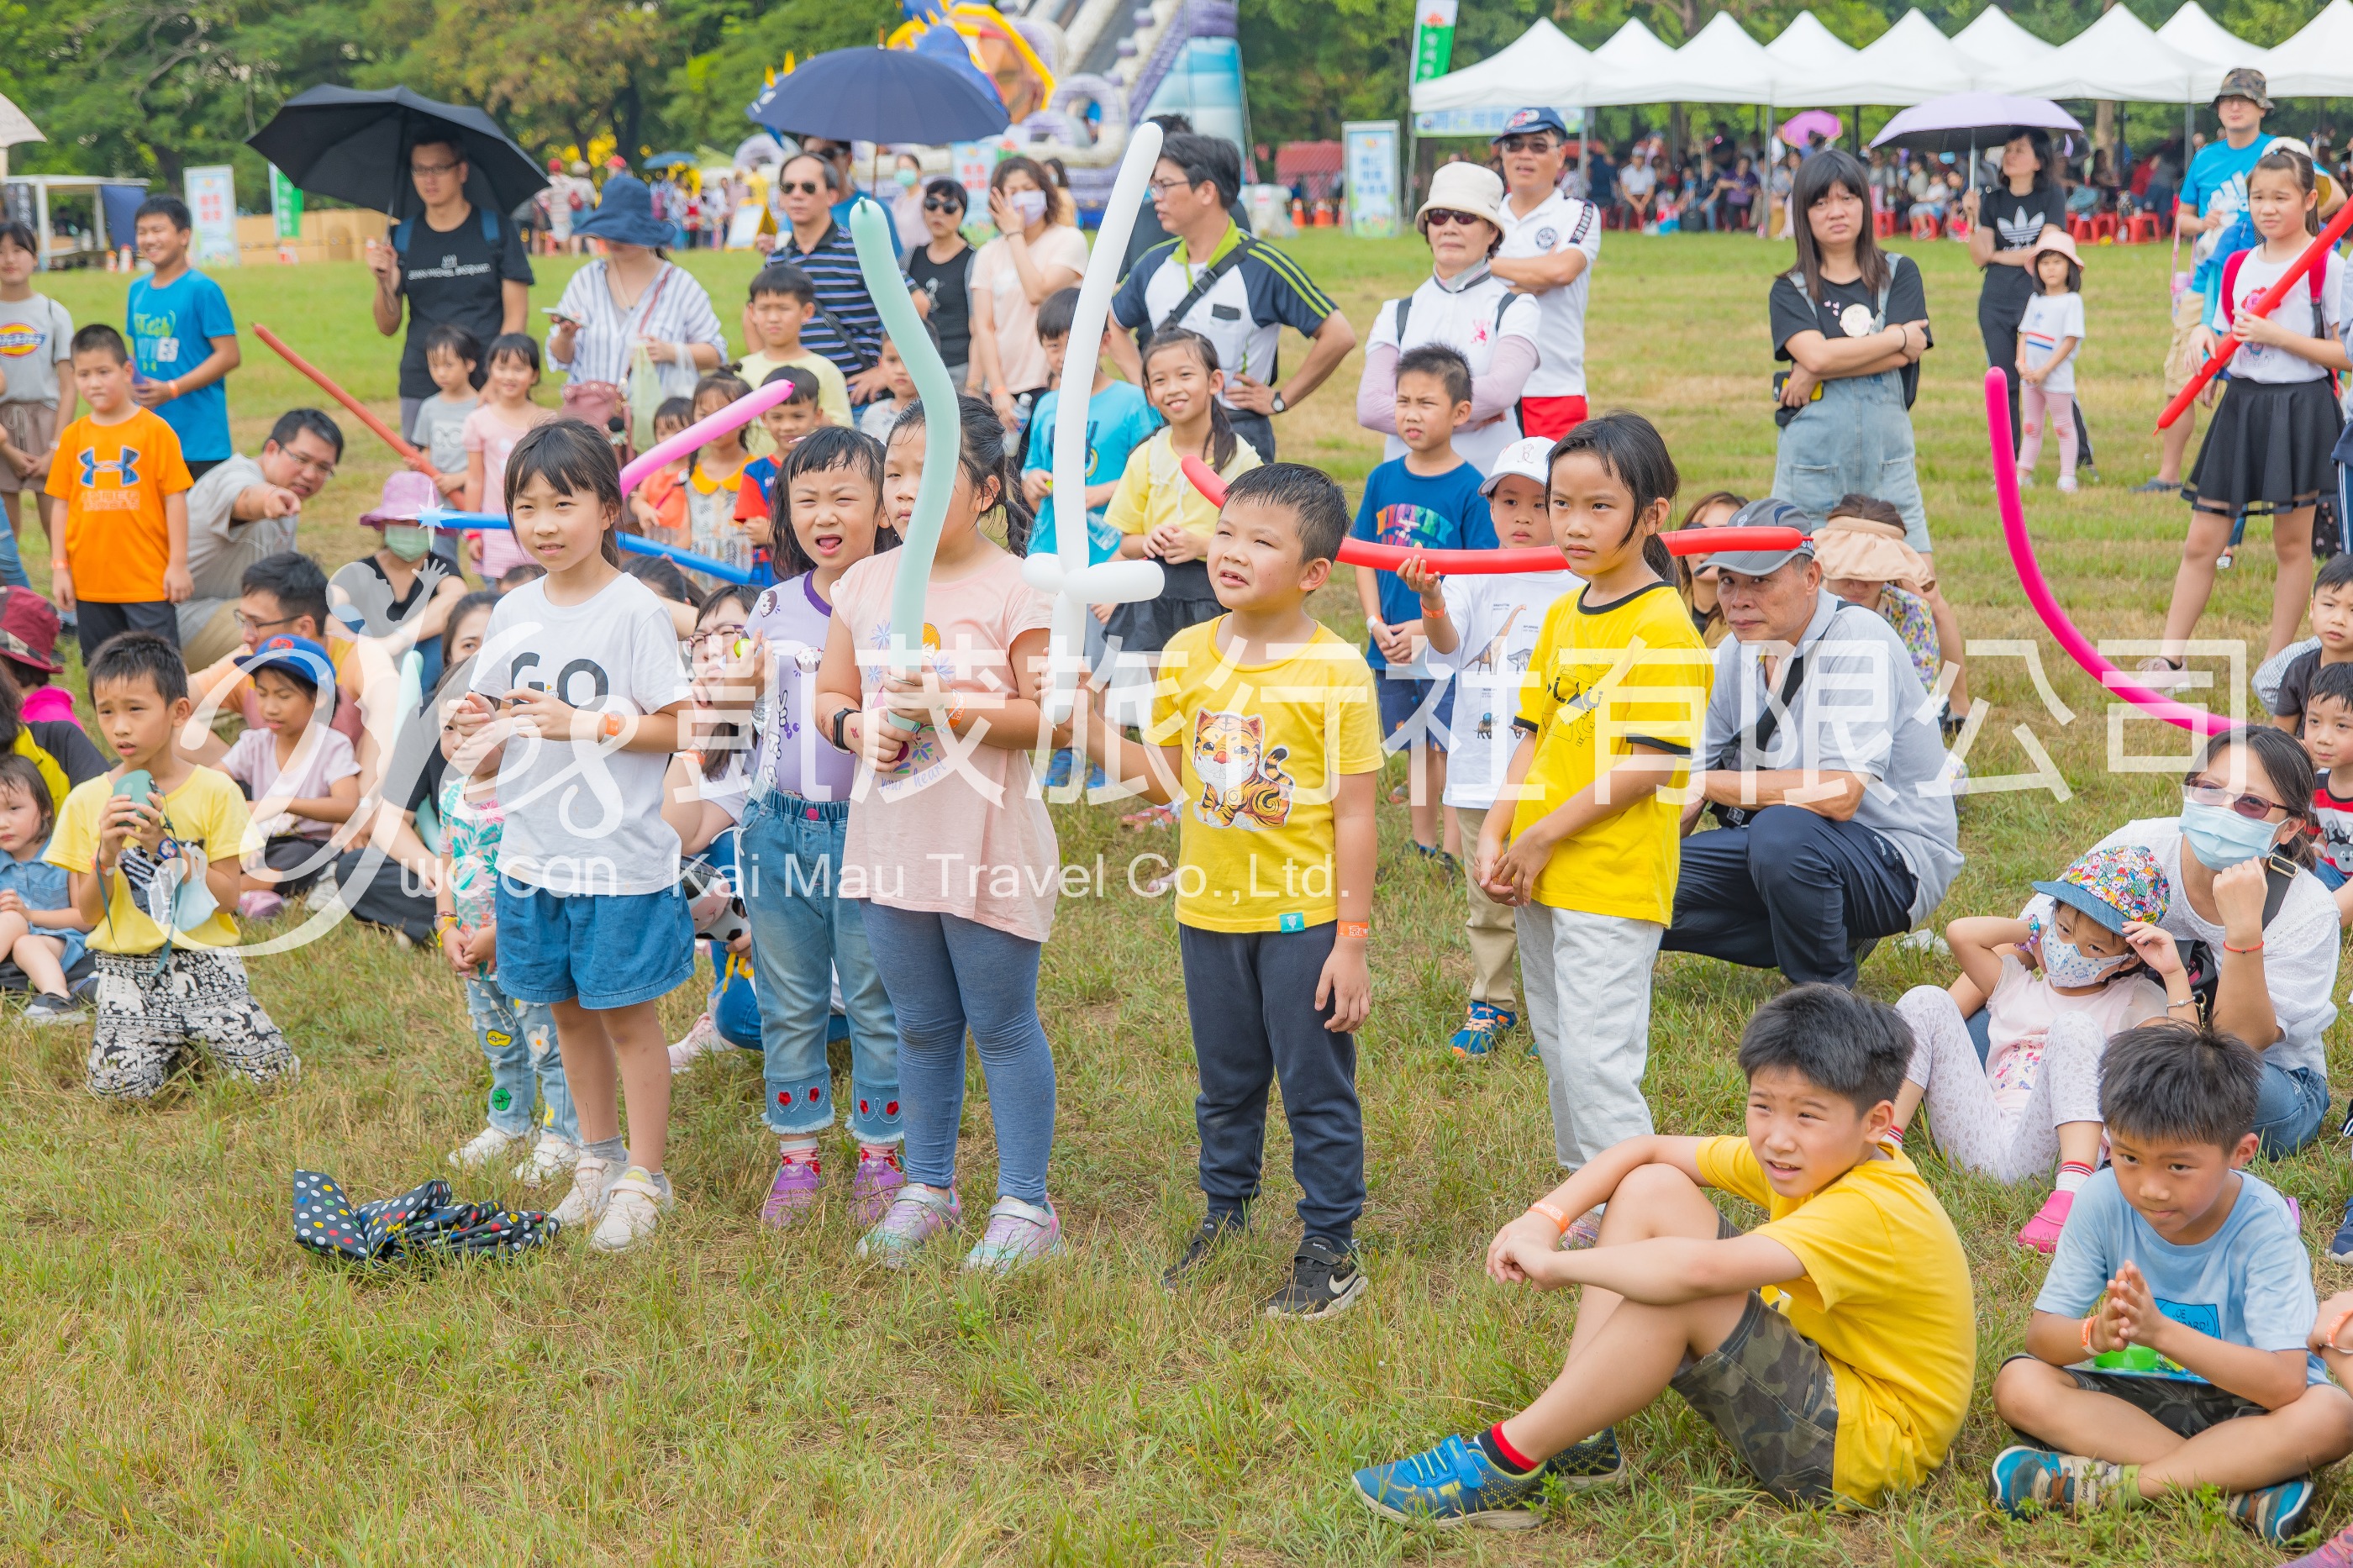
column 558, row 317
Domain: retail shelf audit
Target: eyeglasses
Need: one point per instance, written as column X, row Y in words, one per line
column 247, row 623
column 433, row 171
column 1161, row 187
column 803, row 187
column 1540, row 142
column 1439, row 218
column 2253, row 807
column 324, row 467
column 940, row 204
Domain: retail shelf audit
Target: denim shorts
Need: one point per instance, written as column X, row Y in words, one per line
column 612, row 950
column 1401, row 698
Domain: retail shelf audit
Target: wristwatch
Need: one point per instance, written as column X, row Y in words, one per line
column 1280, row 406
column 840, row 716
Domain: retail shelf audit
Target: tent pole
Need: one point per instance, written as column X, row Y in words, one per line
column 41, row 207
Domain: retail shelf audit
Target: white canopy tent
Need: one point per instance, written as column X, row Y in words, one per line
column 2199, row 36
column 1542, row 65
column 1632, row 67
column 15, row 126
column 1910, row 63
column 2118, row 57
column 1807, row 48
column 2317, row 62
column 1993, row 40
column 1722, row 65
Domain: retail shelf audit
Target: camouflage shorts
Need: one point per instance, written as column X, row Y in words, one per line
column 1769, row 1390
column 2183, row 1407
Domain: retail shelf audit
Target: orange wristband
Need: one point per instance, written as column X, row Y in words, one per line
column 1356, row 931
column 1550, row 1213
column 612, row 725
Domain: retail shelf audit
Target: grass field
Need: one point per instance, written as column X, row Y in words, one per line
column 182, row 1383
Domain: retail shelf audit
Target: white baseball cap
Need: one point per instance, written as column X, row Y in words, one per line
column 1530, row 458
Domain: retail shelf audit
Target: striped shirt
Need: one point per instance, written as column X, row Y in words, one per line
column 680, row 312
column 851, row 334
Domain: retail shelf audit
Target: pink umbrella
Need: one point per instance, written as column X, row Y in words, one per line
column 1806, row 123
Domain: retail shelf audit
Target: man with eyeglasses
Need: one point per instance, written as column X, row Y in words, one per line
column 1822, row 760
column 1550, row 243
column 848, row 329
column 1237, row 291
column 241, row 511
column 452, row 263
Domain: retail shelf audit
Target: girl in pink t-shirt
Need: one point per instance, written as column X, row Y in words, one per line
column 2054, row 988
column 505, row 415
column 948, row 843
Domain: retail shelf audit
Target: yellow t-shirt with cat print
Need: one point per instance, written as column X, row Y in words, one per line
column 1262, row 748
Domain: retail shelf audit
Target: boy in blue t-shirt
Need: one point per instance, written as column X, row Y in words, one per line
column 2167, row 1347
column 1427, row 499
column 1119, row 418
column 183, row 338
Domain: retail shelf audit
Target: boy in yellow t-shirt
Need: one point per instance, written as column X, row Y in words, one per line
column 1265, row 735
column 125, row 849
column 1587, row 850
column 783, row 303
column 123, row 555
column 1832, row 1346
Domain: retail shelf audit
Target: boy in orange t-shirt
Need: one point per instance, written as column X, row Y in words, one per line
column 123, row 555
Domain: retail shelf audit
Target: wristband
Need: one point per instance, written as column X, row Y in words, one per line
column 1355, row 931
column 1550, row 1213
column 443, row 923
column 952, row 714
column 611, row 726
column 174, row 388
column 2243, row 951
column 2087, row 1333
column 841, row 717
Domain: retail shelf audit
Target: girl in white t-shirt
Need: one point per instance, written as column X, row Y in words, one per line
column 2047, row 337
column 579, row 691
column 2051, row 996
column 2268, row 448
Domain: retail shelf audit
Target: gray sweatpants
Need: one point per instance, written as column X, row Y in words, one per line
column 1586, row 978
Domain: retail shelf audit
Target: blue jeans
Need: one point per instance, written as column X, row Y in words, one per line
column 2290, row 1105
column 803, row 935
column 518, row 1038
column 602, row 950
column 11, row 566
column 1857, row 440
column 946, row 976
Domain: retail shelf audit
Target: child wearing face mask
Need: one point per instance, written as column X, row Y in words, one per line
column 2051, row 990
column 401, row 590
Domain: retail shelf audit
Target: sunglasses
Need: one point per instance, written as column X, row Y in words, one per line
column 936, row 205
column 1540, row 142
column 2253, row 807
column 803, row 187
column 1439, row 218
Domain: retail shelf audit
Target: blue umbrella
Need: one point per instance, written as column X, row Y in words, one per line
column 881, row 95
column 671, row 160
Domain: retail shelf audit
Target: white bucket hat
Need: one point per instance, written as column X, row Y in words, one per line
column 1465, row 188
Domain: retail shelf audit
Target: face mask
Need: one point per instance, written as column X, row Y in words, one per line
column 2220, row 837
column 907, row 178
column 407, row 541
column 2066, row 964
column 1030, row 206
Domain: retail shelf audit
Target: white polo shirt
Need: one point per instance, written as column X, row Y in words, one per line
column 1470, row 314
column 1558, row 223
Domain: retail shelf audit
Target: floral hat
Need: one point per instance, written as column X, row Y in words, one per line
column 2121, row 882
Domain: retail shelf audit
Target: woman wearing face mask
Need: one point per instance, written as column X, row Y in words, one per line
column 402, row 592
column 2247, row 821
column 907, row 201
column 1032, row 256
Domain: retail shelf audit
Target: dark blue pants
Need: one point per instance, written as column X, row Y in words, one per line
column 1792, row 891
column 1252, row 999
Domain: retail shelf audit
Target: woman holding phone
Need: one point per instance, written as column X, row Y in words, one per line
column 630, row 296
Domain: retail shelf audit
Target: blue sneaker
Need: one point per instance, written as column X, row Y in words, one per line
column 1477, row 1034
column 2278, row 1513
column 1450, row 1486
column 2340, row 1246
column 1058, row 771
column 2027, row 1481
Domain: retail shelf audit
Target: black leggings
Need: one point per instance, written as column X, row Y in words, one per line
column 2002, row 353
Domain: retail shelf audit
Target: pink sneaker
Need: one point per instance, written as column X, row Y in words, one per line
column 877, row 1179
column 258, row 905
column 2042, row 1232
column 793, row 1193
column 2337, row 1551
column 916, row 1214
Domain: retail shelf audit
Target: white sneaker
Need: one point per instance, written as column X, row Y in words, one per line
column 590, row 1177
column 700, row 1042
column 2067, row 487
column 550, row 1158
column 484, row 1149
column 633, row 1209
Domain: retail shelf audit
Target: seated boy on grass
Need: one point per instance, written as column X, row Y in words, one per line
column 2167, row 1347
column 1832, row 1346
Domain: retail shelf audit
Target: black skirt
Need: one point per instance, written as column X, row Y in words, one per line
column 2267, row 448
column 1186, row 600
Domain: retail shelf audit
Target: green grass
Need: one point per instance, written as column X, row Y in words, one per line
column 182, row 1383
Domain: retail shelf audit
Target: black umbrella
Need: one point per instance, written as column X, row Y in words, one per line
column 354, row 146
column 881, row 95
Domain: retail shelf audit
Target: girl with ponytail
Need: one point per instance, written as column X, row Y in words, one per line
column 948, row 846
column 1588, row 854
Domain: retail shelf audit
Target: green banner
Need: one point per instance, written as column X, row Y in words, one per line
column 286, row 205
column 1433, row 39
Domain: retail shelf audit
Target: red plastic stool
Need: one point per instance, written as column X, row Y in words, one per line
column 2079, row 228
column 1883, row 225
column 2104, row 227
column 2142, row 230
column 1923, row 224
